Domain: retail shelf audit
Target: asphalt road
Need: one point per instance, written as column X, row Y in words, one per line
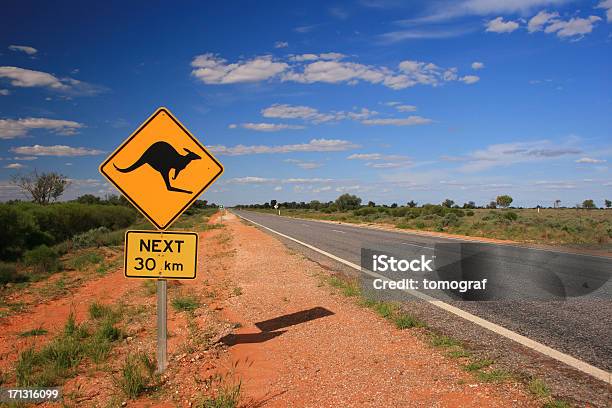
column 559, row 299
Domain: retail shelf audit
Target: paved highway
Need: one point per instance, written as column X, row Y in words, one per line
column 559, row 299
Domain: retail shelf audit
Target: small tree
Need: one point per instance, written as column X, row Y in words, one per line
column 588, row 204
column 411, row 204
column 469, row 204
column 492, row 205
column 42, row 188
column 348, row 202
column 608, row 203
column 448, row 203
column 371, row 204
column 504, row 201
column 272, row 203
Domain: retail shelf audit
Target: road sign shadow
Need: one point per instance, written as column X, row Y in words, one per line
column 270, row 328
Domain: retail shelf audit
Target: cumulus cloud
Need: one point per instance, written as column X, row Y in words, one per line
column 309, row 114
column 573, row 27
column 498, row 25
column 267, row 127
column 405, row 108
column 12, row 128
column 306, row 165
column 315, row 145
column 505, row 154
column 27, row 78
column 470, row 79
column 325, row 67
column 23, row 48
column 607, row 5
column 382, row 161
column 14, row 166
column 211, row 69
column 589, row 160
column 281, row 44
column 314, row 57
column 539, row 20
column 476, row 65
column 55, row 150
column 409, row 121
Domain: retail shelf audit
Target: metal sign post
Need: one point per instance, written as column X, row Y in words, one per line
column 162, row 325
column 167, row 147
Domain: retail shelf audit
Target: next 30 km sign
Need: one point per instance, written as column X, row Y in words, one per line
column 151, row 254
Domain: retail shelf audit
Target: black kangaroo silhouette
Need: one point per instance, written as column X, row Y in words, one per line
column 163, row 158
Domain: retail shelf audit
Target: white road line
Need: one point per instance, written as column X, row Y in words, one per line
column 420, row 246
column 502, row 331
column 342, row 232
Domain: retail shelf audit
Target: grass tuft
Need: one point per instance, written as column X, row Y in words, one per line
column 185, row 303
column 34, row 332
column 136, row 375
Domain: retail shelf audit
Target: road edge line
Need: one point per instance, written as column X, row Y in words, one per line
column 573, row 362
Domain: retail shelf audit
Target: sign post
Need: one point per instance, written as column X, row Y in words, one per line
column 162, row 322
column 161, row 169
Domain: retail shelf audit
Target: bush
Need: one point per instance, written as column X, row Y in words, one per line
column 510, row 215
column 9, row 274
column 28, row 225
column 365, row 211
column 450, row 220
column 89, row 238
column 42, row 259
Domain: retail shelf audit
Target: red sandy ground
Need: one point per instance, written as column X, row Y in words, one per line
column 345, row 356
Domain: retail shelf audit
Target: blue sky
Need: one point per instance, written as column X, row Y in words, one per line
column 390, row 101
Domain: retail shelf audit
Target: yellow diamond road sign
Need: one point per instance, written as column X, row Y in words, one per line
column 161, row 254
column 161, row 168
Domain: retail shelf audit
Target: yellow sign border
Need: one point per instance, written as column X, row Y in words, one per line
column 158, row 232
column 133, row 135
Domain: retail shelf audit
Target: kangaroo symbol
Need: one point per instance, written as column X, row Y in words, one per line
column 163, row 157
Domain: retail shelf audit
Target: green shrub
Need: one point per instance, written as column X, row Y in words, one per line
column 42, row 259
column 85, row 259
column 450, row 220
column 469, row 213
column 91, row 238
column 510, row 215
column 136, row 374
column 28, row 225
column 186, row 303
column 8, row 273
column 365, row 211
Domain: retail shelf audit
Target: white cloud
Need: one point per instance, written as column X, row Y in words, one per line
column 12, row 128
column 607, row 5
column 312, row 68
column 309, row 114
column 56, row 150
column 281, row 44
column 267, row 127
column 5, row 92
column 382, row 161
column 250, row 180
column 505, row 154
column 27, row 78
column 23, row 48
column 315, row 145
column 306, row 165
column 330, row 56
column 476, row 65
column 409, row 121
column 278, row 188
column 498, row 25
column 590, row 160
column 14, row 166
column 405, row 108
column 211, row 69
column 573, row 27
column 539, row 20
column 470, row 79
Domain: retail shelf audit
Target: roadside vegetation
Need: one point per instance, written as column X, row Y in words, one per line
column 582, row 226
